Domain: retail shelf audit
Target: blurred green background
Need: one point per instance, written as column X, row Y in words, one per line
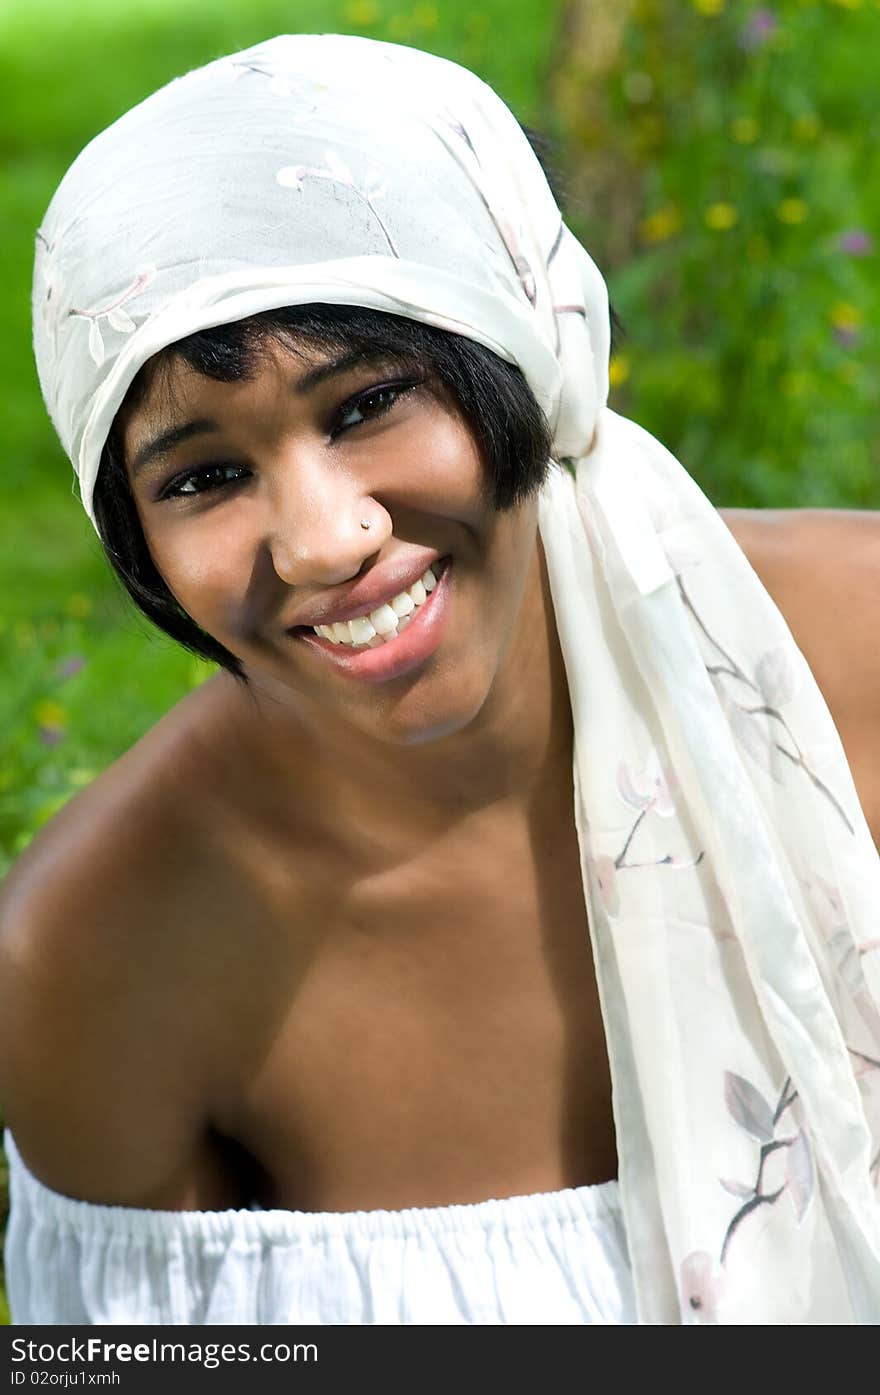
column 718, row 160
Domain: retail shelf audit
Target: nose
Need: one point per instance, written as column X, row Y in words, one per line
column 316, row 533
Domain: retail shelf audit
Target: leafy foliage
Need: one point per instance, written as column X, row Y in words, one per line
column 722, row 170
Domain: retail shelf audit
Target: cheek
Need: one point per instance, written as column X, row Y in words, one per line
column 203, row 566
column 435, row 467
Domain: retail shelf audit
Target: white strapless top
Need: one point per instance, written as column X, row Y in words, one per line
column 556, row 1257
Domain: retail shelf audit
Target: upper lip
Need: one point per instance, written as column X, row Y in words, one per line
column 377, row 587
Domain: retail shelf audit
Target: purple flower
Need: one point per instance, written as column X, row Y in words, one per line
column 70, row 666
column 856, row 243
column 762, row 25
column 846, row 336
column 50, row 736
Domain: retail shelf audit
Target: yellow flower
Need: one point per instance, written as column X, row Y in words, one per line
column 425, row 16
column 720, row 216
column 794, row 384
column 847, row 4
column 50, row 714
column 709, row 7
column 744, row 129
column 81, row 776
column 792, row 211
column 807, row 125
column 661, row 224
column 618, row 370
column 78, row 606
column 362, row 12
column 845, row 315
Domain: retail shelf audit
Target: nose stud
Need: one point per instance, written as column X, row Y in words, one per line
column 365, row 523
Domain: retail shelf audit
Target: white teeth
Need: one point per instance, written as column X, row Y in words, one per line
column 403, row 604
column 361, row 629
column 385, row 622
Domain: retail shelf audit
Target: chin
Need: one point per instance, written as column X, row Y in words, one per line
column 416, row 721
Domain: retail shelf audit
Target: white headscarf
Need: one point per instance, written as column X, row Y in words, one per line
column 730, row 879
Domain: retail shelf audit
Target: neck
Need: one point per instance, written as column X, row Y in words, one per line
column 515, row 755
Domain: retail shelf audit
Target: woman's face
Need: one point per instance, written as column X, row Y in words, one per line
column 252, row 495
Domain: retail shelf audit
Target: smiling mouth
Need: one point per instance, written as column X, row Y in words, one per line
column 382, row 659
column 384, row 624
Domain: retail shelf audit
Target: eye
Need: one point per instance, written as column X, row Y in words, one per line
column 194, row 482
column 369, row 405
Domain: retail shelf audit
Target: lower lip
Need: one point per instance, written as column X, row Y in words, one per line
column 398, row 656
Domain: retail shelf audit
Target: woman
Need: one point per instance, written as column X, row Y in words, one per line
column 361, row 936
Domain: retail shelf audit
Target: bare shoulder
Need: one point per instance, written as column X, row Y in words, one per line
column 100, row 922
column 820, row 533
column 822, row 568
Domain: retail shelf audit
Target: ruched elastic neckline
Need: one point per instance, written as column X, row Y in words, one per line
column 598, row 1203
column 549, row 1257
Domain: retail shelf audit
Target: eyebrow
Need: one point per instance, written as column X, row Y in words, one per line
column 163, row 444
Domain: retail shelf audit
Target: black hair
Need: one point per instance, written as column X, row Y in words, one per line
column 508, row 426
